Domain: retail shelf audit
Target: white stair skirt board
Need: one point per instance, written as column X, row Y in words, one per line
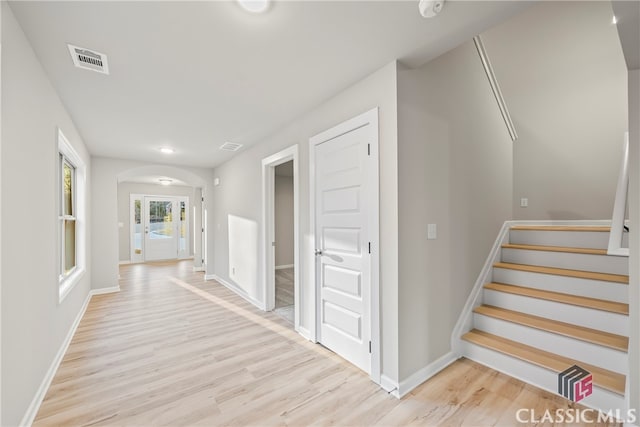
column 588, row 317
column 571, row 261
column 610, row 291
column 593, row 354
column 601, row 399
column 574, row 239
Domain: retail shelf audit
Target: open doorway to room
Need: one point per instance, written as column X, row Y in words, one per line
column 280, row 204
column 283, row 243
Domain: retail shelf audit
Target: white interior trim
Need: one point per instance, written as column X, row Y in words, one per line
column 34, row 407
column 268, row 230
column 235, row 289
column 368, row 118
column 425, row 373
column 620, row 205
column 284, row 266
column 66, row 284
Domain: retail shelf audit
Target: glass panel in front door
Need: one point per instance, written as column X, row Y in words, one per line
column 160, row 219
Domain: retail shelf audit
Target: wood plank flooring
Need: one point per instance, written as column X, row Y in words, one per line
column 172, row 349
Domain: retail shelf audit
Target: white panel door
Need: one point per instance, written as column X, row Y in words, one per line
column 161, row 228
column 343, row 262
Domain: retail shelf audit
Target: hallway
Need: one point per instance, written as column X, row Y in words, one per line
column 172, row 349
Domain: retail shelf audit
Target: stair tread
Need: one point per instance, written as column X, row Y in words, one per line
column 561, row 228
column 591, row 275
column 594, row 336
column 588, row 251
column 598, row 304
column 603, row 378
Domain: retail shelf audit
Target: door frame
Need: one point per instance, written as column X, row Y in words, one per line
column 369, row 118
column 268, row 230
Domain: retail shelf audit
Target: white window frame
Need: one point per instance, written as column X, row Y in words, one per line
column 67, row 281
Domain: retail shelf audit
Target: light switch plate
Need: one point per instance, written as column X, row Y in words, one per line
column 432, row 231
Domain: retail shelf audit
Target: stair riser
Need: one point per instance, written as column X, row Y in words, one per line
column 567, row 285
column 586, row 262
column 594, row 354
column 596, row 319
column 574, row 239
column 601, row 399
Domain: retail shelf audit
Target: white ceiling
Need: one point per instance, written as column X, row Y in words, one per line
column 192, row 75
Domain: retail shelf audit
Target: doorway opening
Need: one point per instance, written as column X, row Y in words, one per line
column 283, row 242
column 280, row 216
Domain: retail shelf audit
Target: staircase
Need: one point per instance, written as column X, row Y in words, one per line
column 550, row 297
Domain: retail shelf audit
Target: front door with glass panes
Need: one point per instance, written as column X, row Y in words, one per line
column 159, row 228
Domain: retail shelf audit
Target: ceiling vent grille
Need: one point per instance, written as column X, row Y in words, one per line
column 88, row 59
column 230, row 146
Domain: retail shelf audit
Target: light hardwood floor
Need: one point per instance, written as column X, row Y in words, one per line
column 172, row 349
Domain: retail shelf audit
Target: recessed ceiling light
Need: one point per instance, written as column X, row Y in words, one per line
column 165, row 181
column 254, row 6
column 167, row 150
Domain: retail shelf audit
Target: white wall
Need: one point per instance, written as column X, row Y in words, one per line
column 284, row 220
column 634, row 239
column 455, row 171
column 628, row 14
column 563, row 76
column 105, row 174
column 125, row 189
column 34, row 323
column 239, row 193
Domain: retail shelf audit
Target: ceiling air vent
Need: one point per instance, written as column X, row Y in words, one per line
column 230, row 146
column 89, row 59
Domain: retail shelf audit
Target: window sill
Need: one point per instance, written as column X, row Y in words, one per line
column 69, row 282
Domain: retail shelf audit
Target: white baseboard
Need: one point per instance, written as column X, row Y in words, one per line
column 283, row 267
column 124, row 262
column 201, row 268
column 305, row 333
column 389, row 385
column 236, row 290
column 425, row 373
column 33, row 408
column 101, row 291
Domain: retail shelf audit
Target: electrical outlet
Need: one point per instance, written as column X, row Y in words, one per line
column 524, row 202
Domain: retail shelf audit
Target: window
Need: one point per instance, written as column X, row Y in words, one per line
column 71, row 216
column 68, row 218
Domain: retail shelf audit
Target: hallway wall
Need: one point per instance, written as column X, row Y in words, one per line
column 34, row 323
column 563, row 76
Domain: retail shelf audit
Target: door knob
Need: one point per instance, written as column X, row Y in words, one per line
column 318, row 252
